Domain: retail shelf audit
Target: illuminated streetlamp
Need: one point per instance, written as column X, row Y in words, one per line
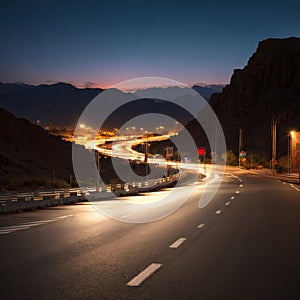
column 291, row 149
column 291, row 133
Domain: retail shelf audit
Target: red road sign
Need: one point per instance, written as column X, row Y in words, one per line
column 201, row 151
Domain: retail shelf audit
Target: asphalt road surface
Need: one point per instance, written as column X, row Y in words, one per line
column 244, row 245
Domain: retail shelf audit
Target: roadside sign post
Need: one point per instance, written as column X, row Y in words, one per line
column 202, row 154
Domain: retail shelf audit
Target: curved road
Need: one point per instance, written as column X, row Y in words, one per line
column 243, row 245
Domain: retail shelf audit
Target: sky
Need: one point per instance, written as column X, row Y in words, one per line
column 102, row 43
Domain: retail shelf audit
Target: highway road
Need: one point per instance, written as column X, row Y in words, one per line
column 243, row 245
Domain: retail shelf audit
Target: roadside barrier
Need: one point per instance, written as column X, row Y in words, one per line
column 14, row 202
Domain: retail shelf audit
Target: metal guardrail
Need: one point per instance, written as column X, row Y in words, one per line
column 12, row 202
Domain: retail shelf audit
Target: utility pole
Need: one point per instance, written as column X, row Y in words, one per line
column 146, row 157
column 289, row 156
column 53, row 174
column 240, row 144
column 97, row 172
column 273, row 146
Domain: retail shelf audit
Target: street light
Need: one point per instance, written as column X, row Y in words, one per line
column 291, row 150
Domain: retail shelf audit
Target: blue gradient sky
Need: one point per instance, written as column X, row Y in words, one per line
column 106, row 42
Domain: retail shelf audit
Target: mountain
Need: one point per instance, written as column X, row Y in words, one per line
column 29, row 154
column 206, row 90
column 166, row 93
column 267, row 87
column 61, row 104
column 56, row 104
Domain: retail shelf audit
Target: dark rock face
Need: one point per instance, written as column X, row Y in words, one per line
column 28, row 152
column 268, row 87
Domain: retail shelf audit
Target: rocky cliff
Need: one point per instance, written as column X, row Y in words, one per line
column 29, row 153
column 268, row 87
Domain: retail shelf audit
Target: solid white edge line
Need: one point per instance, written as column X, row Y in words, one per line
column 6, row 232
column 63, row 217
column 201, row 225
column 137, row 280
column 39, row 222
column 27, row 225
column 17, row 227
column 177, row 243
column 13, row 229
column 218, row 212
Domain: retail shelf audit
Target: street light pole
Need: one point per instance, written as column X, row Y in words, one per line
column 273, row 146
column 147, row 166
column 289, row 155
column 97, row 171
column 240, row 144
column 292, row 151
column 53, row 177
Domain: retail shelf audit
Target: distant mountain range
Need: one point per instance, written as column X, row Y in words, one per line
column 56, row 104
column 206, row 90
column 62, row 103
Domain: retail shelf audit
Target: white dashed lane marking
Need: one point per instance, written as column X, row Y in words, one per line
column 227, row 203
column 201, row 225
column 137, row 280
column 294, row 187
column 177, row 243
column 237, row 192
column 218, row 212
column 232, row 198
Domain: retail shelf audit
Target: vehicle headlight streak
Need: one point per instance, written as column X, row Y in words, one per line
column 172, row 104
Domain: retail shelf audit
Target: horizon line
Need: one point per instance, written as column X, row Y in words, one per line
column 93, row 85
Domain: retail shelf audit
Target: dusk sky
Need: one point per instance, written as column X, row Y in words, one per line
column 105, row 42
